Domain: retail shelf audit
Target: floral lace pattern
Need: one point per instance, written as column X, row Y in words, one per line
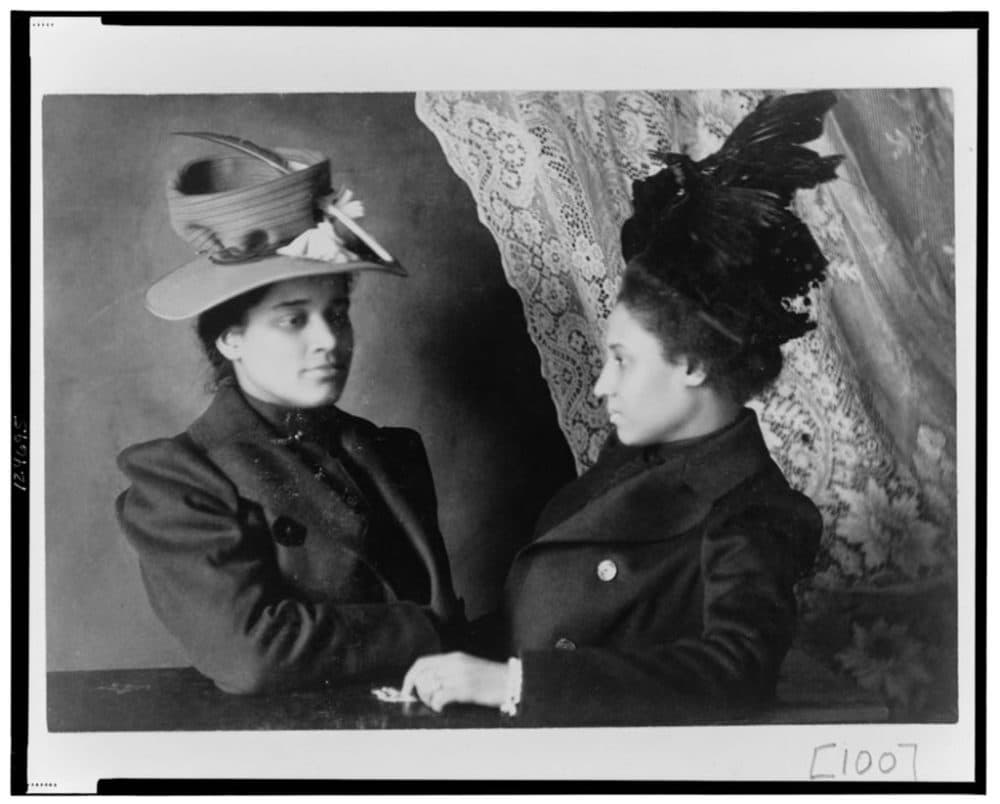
column 861, row 430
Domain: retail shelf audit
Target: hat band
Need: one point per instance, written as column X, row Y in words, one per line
column 233, row 255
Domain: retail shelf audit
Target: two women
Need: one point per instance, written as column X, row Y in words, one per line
column 282, row 541
column 659, row 585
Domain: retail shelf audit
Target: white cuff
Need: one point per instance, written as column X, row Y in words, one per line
column 514, row 680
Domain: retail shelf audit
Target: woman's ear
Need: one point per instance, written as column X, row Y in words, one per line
column 695, row 375
column 229, row 343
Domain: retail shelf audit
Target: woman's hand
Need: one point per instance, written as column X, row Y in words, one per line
column 456, row 678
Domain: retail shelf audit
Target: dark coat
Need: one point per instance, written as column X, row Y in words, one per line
column 659, row 586
column 278, row 565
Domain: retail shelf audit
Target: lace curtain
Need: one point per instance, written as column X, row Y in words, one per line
column 862, row 418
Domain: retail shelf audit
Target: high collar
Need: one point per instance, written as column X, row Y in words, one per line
column 234, row 416
column 714, row 463
column 297, row 423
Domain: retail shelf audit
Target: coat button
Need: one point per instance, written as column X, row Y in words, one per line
column 565, row 644
column 607, row 570
column 287, row 532
column 351, row 500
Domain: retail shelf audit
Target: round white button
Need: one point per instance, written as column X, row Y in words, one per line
column 607, row 570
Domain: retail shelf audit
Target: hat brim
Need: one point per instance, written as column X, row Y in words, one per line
column 202, row 284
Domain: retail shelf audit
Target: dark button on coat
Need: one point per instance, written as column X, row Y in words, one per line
column 707, row 541
column 265, row 572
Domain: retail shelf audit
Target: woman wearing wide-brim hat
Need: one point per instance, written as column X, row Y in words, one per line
column 282, row 541
column 659, row 586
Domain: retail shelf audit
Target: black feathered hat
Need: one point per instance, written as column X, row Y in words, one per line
column 721, row 231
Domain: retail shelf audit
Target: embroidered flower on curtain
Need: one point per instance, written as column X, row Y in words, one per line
column 886, row 658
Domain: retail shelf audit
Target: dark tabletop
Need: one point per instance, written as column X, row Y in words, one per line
column 172, row 699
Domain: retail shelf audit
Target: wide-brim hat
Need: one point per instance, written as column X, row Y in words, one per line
column 259, row 218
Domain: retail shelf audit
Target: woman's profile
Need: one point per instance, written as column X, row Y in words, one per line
column 659, row 586
column 284, row 542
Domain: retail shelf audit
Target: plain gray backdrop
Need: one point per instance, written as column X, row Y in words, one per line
column 444, row 351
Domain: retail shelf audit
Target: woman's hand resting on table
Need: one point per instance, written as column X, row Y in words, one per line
column 446, row 678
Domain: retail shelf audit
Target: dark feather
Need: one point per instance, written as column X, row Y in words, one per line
column 275, row 160
column 728, row 221
column 722, row 232
column 794, row 118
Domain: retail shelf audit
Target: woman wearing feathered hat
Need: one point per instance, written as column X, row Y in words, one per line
column 282, row 541
column 659, row 585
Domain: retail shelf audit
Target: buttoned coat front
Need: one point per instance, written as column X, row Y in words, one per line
column 260, row 555
column 659, row 585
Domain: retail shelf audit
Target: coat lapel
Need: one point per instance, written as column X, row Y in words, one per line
column 615, row 465
column 650, row 504
column 364, row 449
column 646, row 494
column 232, row 432
column 258, row 460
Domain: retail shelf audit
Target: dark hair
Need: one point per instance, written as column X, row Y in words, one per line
column 216, row 320
column 233, row 313
column 738, row 367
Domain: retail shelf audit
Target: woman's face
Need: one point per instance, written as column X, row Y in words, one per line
column 295, row 348
column 650, row 400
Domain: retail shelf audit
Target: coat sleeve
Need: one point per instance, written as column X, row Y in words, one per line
column 750, row 564
column 211, row 577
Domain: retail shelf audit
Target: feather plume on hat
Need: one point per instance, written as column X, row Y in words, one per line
column 721, row 231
